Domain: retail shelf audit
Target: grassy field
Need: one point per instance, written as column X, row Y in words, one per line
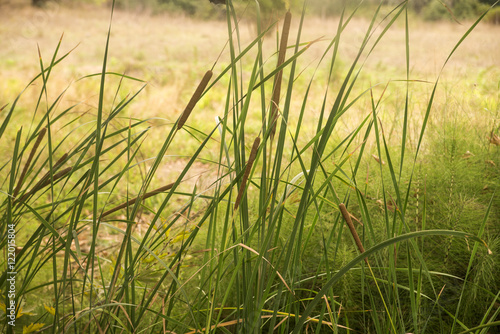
column 235, row 245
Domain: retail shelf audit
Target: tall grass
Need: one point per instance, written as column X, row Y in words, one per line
column 264, row 247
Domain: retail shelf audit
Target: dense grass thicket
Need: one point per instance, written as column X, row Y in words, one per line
column 291, row 193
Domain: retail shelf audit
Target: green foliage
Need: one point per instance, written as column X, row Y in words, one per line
column 493, row 16
column 188, row 7
column 325, row 8
column 38, row 3
column 457, row 9
column 489, row 2
column 466, row 9
column 419, row 5
column 435, row 11
column 203, row 8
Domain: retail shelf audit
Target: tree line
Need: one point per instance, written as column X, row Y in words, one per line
column 429, row 9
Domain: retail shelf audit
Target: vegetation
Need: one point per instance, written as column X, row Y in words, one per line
column 493, row 16
column 333, row 193
column 432, row 9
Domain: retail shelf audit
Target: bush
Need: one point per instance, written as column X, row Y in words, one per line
column 198, row 8
column 325, row 8
column 419, row 5
column 493, row 16
column 460, row 9
column 489, row 2
column 435, row 11
column 464, row 9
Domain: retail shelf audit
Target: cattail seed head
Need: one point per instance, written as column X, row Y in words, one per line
column 194, row 99
column 60, row 161
column 348, row 220
column 39, row 139
column 133, row 200
column 45, row 181
column 248, row 168
column 278, row 78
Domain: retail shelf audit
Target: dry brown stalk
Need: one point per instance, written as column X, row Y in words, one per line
column 278, row 78
column 133, row 200
column 248, row 168
column 194, row 99
column 41, row 134
column 348, row 220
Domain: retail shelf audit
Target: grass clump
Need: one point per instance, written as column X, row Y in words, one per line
column 339, row 219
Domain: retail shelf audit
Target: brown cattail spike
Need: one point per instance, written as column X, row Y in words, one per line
column 41, row 134
column 133, row 200
column 277, row 79
column 45, row 181
column 194, row 99
column 251, row 159
column 59, row 162
column 348, row 220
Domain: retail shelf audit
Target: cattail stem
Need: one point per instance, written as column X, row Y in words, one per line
column 251, row 159
column 348, row 220
column 278, row 78
column 133, row 200
column 41, row 134
column 194, row 99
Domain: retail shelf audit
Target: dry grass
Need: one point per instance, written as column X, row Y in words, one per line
column 172, row 53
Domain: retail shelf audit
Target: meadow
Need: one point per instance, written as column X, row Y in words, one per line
column 163, row 177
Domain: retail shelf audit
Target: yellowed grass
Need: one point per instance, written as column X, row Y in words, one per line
column 172, row 53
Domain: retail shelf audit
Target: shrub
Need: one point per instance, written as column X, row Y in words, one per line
column 464, row 9
column 419, row 5
column 489, row 2
column 460, row 9
column 435, row 11
column 493, row 16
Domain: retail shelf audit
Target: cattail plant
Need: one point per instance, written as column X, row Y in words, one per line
column 248, row 168
column 278, row 78
column 354, row 233
column 39, row 139
column 190, row 262
column 45, row 180
column 133, row 200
